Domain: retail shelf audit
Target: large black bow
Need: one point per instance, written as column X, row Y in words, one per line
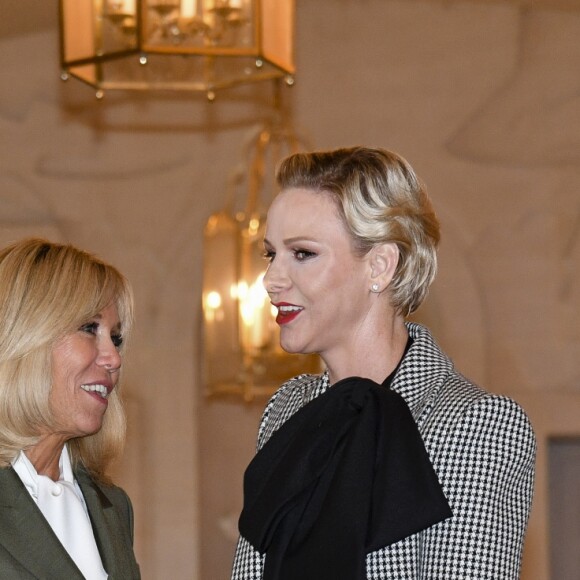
column 346, row 475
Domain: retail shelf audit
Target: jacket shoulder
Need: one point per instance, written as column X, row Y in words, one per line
column 109, row 494
column 288, row 399
column 465, row 417
column 117, row 496
column 121, row 502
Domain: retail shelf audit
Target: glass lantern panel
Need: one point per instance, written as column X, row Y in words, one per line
column 278, row 33
column 86, row 73
column 78, row 29
column 222, row 354
column 199, row 26
column 175, row 72
column 97, row 28
column 266, row 364
column 257, row 326
column 118, row 26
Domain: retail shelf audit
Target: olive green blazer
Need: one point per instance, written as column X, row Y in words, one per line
column 30, row 549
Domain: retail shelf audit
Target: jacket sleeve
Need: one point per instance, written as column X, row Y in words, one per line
column 486, row 467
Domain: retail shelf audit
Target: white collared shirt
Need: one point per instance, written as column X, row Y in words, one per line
column 29, row 476
column 87, row 556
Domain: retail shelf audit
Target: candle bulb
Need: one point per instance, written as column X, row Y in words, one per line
column 128, row 6
column 188, row 8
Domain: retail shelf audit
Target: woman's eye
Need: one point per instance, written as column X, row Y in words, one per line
column 301, row 255
column 90, row 327
column 93, row 329
column 269, row 255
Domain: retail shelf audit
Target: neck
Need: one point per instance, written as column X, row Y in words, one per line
column 372, row 356
column 45, row 455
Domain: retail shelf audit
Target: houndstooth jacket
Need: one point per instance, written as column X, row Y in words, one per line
column 483, row 450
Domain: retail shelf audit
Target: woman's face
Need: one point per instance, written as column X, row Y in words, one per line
column 86, row 366
column 318, row 284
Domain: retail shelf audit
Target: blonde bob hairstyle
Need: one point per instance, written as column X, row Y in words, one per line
column 48, row 290
column 380, row 200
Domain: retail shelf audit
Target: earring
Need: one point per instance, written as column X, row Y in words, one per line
column 375, row 287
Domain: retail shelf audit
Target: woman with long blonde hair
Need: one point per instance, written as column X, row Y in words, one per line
column 64, row 319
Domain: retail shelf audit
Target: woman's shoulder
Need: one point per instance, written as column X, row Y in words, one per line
column 459, row 390
column 113, row 493
column 443, row 396
column 307, row 385
column 116, row 494
column 289, row 398
column 120, row 501
column 428, row 364
column 464, row 411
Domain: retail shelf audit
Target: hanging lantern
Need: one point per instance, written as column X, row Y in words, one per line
column 242, row 353
column 191, row 45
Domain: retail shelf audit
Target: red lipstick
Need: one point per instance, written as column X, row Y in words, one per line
column 287, row 312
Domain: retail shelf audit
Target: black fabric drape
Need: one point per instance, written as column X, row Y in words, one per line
column 346, row 475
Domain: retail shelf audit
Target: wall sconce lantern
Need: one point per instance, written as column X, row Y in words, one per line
column 188, row 45
column 242, row 355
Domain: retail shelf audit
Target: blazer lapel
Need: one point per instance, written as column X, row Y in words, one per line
column 116, row 554
column 25, row 533
column 422, row 372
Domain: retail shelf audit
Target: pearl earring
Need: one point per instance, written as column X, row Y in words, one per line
column 375, row 287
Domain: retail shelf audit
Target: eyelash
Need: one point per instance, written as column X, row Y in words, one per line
column 92, row 327
column 299, row 255
column 304, row 253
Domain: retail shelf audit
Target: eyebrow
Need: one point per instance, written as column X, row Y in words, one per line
column 294, row 240
column 118, row 327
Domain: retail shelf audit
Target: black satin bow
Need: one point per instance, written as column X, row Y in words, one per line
column 346, row 475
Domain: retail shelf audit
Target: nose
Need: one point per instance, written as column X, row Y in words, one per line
column 275, row 278
column 109, row 356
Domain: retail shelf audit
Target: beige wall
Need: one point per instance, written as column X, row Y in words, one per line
column 482, row 98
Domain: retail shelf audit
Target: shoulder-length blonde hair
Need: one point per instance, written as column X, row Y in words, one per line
column 381, row 200
column 48, row 290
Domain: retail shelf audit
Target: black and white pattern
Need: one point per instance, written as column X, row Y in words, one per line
column 483, row 450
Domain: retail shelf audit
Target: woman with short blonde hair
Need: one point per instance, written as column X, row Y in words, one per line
column 389, row 465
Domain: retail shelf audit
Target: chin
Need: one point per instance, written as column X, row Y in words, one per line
column 93, row 429
column 293, row 343
column 293, row 348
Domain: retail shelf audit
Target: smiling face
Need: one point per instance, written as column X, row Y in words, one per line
column 86, row 365
column 319, row 285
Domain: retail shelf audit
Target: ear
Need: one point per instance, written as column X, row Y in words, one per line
column 383, row 261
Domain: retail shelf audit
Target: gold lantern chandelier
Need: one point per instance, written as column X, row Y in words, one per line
column 242, row 355
column 188, row 45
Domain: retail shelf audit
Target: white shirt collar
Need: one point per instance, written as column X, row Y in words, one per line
column 29, row 476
